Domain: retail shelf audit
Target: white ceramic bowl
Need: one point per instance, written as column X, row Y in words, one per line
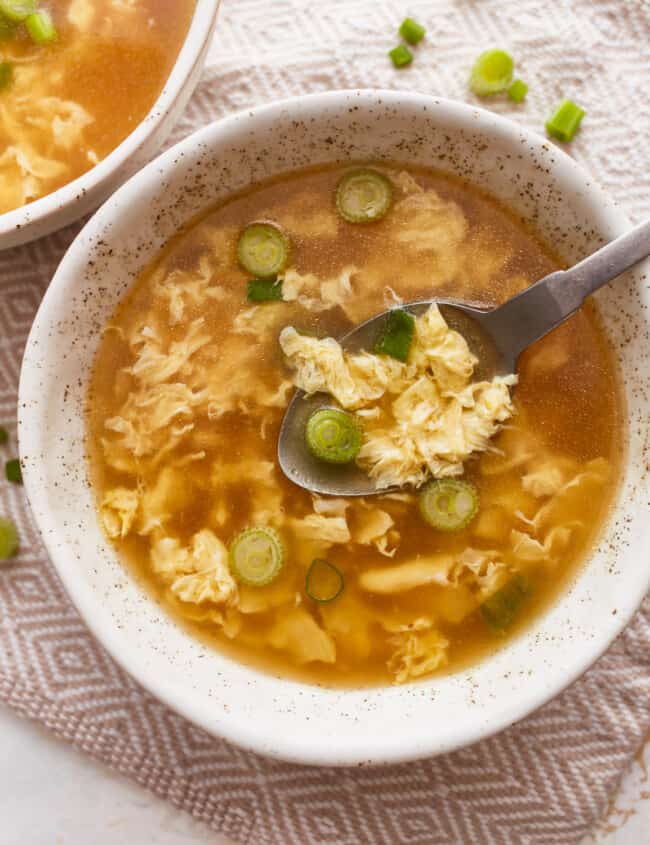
column 273, row 716
column 89, row 190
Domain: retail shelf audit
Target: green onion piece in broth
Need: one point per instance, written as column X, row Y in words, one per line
column 41, row 27
column 263, row 250
column 363, row 196
column 264, row 290
column 6, row 78
column 7, row 28
column 256, row 556
column 500, row 609
column 448, row 504
column 324, row 582
column 17, row 10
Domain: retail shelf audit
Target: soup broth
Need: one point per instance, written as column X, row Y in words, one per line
column 190, row 386
column 66, row 104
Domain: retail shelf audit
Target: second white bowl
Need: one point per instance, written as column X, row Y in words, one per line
column 72, row 201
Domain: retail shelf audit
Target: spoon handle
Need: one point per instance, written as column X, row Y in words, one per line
column 543, row 306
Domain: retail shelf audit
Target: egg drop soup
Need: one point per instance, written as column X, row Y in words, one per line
column 198, row 364
column 77, row 77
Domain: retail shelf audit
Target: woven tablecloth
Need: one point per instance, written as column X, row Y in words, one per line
column 546, row 780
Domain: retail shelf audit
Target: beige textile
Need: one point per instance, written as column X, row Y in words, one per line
column 542, row 782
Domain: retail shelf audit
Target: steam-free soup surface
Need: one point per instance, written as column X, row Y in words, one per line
column 190, row 387
column 65, row 105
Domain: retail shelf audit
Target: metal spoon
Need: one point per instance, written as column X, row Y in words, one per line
column 497, row 338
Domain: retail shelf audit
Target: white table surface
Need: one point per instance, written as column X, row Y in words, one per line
column 52, row 795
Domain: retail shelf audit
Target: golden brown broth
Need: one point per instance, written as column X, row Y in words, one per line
column 567, row 397
column 114, row 68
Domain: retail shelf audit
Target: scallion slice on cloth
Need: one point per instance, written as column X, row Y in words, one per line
column 256, row 556
column 412, row 31
column 565, row 121
column 517, row 91
column 9, row 541
column 4, row 434
column 324, row 582
column 448, row 504
column 401, row 56
column 263, row 250
column 13, row 471
column 363, row 196
column 333, row 436
column 491, row 73
column 397, row 335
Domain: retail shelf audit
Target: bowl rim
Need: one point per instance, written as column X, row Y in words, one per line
column 255, row 737
column 22, row 219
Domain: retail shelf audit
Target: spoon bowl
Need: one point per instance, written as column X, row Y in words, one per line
column 496, row 337
column 304, row 469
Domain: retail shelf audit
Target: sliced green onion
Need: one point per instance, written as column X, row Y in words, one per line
column 324, row 582
column 517, row 91
column 7, row 28
column 256, row 556
column 263, row 250
column 8, row 539
column 397, row 335
column 41, row 27
column 565, row 121
column 264, row 290
column 411, row 31
column 401, row 56
column 500, row 610
column 13, row 471
column 333, row 436
column 4, row 434
column 363, row 196
column 448, row 504
column 491, row 73
column 6, row 78
column 17, row 10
